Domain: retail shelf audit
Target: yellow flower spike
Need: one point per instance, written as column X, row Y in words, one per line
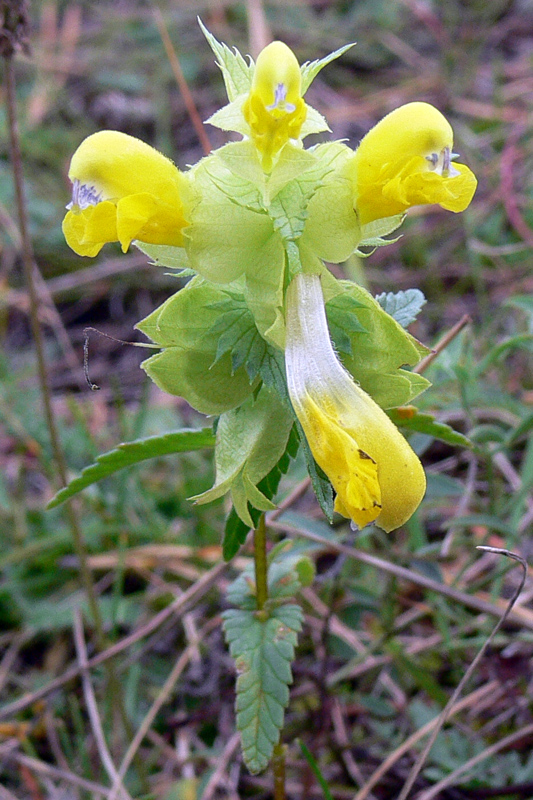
column 375, row 473
column 406, row 160
column 123, row 190
column 274, row 109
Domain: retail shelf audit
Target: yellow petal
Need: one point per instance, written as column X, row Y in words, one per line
column 353, row 474
column 100, row 223
column 274, row 109
column 74, row 232
column 123, row 189
column 404, row 161
column 374, row 471
column 119, row 165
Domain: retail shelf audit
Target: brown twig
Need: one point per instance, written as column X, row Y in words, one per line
column 443, row 343
column 158, row 703
column 178, row 605
column 182, row 83
column 470, row 601
column 92, row 708
column 444, row 715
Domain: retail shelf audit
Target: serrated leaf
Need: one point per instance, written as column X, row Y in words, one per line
column 263, row 651
column 404, row 307
column 410, row 418
column 236, row 71
column 311, row 69
column 129, row 453
column 237, row 334
column 272, row 372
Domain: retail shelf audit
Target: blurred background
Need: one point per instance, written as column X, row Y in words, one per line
column 116, row 65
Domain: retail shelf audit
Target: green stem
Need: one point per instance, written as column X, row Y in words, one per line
column 260, row 562
column 261, row 594
column 278, row 768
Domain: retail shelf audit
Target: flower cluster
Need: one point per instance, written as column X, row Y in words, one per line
column 249, row 338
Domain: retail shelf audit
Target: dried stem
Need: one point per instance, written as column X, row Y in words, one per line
column 29, row 267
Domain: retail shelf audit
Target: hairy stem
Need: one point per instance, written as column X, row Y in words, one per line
column 260, row 562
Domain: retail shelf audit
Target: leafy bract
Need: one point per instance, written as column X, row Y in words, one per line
column 380, row 351
column 237, row 72
column 373, row 233
column 127, row 454
column 343, row 321
column 164, row 255
column 311, row 68
column 404, row 307
column 411, row 419
column 187, row 366
column 332, row 230
column 250, row 440
column 235, row 530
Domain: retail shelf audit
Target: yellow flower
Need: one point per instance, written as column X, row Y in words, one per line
column 123, row 189
column 274, row 109
column 406, row 160
column 375, row 473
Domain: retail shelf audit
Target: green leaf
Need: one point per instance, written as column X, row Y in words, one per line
column 163, row 255
column 311, row 760
column 332, row 229
column 250, row 440
column 411, row 419
column 237, row 72
column 311, row 69
column 373, row 233
column 273, row 374
column 263, row 651
column 404, row 307
column 380, row 352
column 236, row 531
column 130, row 453
column 343, row 322
column 237, row 334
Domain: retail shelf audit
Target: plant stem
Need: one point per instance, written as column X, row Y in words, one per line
column 278, row 768
column 260, row 562
column 261, row 594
